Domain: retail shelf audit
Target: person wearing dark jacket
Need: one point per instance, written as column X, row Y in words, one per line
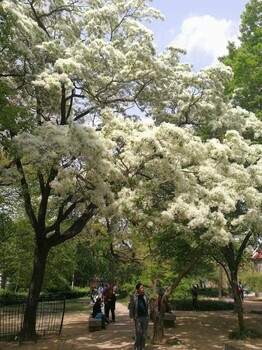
column 107, row 300
column 139, row 305
column 97, row 312
column 112, row 303
column 194, row 297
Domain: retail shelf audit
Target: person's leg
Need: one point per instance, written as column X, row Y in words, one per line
column 144, row 326
column 139, row 334
column 113, row 314
column 107, row 311
column 103, row 322
column 194, row 304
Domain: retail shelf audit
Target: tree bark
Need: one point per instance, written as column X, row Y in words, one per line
column 158, row 320
column 28, row 331
column 238, row 304
column 220, row 282
column 232, row 274
column 3, row 280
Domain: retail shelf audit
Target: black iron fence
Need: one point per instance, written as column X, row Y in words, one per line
column 49, row 318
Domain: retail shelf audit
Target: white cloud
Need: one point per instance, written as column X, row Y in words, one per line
column 206, row 35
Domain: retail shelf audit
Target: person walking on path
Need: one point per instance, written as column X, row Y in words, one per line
column 139, row 306
column 112, row 305
column 194, row 297
column 106, row 299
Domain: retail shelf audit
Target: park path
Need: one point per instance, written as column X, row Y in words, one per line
column 117, row 335
column 195, row 330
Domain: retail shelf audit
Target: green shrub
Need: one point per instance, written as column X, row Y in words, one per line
column 7, row 297
column 253, row 281
column 211, row 292
column 122, row 294
column 67, row 293
column 183, row 290
column 126, row 290
column 203, row 305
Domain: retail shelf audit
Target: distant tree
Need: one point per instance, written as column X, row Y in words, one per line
column 92, row 255
column 246, row 61
column 17, row 254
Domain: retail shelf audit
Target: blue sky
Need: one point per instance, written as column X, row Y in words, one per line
column 202, row 27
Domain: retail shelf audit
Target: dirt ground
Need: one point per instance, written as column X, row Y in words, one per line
column 193, row 330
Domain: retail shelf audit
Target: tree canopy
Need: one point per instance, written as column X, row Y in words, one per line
column 74, row 149
column 246, row 61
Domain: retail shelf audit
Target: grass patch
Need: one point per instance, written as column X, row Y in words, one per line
column 78, row 305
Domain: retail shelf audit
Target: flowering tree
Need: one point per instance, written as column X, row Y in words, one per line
column 63, row 63
column 71, row 63
column 213, row 188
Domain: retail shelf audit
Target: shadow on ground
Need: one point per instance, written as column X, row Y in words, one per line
column 193, row 330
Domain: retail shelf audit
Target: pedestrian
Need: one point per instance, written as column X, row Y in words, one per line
column 112, row 303
column 106, row 299
column 194, row 297
column 100, row 290
column 97, row 312
column 139, row 306
column 128, row 305
column 94, row 295
column 240, row 290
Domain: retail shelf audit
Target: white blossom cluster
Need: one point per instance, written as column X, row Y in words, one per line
column 95, row 59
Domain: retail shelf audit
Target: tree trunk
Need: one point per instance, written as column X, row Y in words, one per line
column 3, row 281
column 233, row 261
column 154, row 285
column 28, row 331
column 220, row 282
column 158, row 321
column 238, row 305
column 240, row 315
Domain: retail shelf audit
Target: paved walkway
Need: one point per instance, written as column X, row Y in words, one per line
column 195, row 330
column 117, row 335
